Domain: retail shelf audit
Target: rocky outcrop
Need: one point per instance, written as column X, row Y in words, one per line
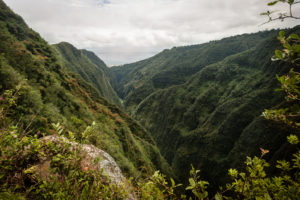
column 92, row 159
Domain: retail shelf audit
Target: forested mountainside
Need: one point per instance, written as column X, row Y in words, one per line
column 91, row 68
column 213, row 119
column 134, row 82
column 37, row 91
column 61, row 136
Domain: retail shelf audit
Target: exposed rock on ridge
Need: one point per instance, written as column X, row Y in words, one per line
column 92, row 158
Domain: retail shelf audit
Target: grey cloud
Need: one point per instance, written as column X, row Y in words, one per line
column 123, row 31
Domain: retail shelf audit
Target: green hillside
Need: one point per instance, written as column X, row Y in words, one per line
column 91, row 68
column 134, row 82
column 198, row 105
column 45, row 93
column 203, row 104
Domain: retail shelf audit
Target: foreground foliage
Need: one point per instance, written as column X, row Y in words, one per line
column 47, row 170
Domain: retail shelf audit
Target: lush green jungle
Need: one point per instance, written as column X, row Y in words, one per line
column 203, row 104
column 219, row 118
column 91, row 68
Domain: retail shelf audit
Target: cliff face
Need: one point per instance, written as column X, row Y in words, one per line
column 91, row 68
column 92, row 159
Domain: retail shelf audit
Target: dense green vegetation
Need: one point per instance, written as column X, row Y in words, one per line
column 91, row 68
column 202, row 104
column 135, row 82
column 45, row 93
column 211, row 118
column 32, row 168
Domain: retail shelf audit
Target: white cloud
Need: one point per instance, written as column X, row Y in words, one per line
column 123, row 31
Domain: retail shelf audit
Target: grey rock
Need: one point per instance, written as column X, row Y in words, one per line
column 93, row 158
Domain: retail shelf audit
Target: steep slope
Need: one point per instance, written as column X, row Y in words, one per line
column 91, row 68
column 36, row 91
column 213, row 120
column 134, row 82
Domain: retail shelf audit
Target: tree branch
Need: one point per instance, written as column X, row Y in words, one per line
column 282, row 16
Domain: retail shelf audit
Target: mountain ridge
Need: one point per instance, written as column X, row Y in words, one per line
column 91, row 68
column 46, row 94
column 134, row 82
column 199, row 104
column 209, row 119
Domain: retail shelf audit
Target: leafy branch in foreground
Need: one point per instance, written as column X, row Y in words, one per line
column 281, row 15
column 197, row 186
column 290, row 83
column 157, row 187
column 253, row 183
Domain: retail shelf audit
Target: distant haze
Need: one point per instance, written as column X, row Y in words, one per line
column 124, row 31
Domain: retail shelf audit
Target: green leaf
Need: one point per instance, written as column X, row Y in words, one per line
column 189, row 188
column 281, row 33
column 2, row 175
column 296, row 47
column 173, row 182
column 192, row 182
column 233, row 172
column 267, row 197
column 218, row 196
column 293, row 139
column 278, row 54
column 287, row 46
column 294, row 36
column 264, row 13
column 30, row 170
column 272, row 3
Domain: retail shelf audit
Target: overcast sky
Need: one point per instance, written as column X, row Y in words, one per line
column 124, row 31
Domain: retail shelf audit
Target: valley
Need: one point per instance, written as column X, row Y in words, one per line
column 198, row 106
column 203, row 104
